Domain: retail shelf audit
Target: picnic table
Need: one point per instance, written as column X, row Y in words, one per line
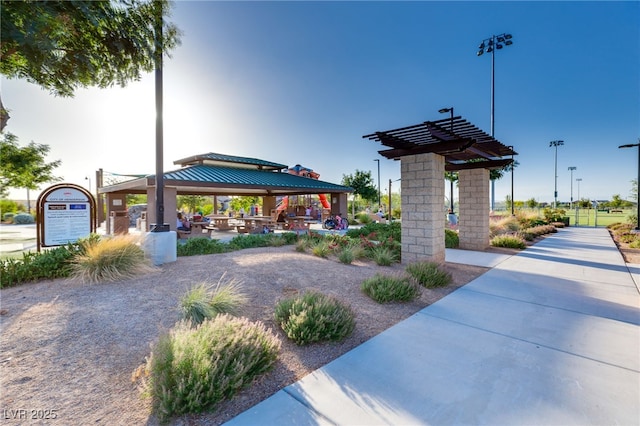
column 198, row 229
column 219, row 223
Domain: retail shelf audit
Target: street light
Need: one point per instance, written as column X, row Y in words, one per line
column 633, row 145
column 512, row 165
column 379, row 205
column 556, row 144
column 442, row 111
column 579, row 180
column 490, row 45
column 571, row 169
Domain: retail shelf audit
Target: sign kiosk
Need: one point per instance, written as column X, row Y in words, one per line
column 65, row 213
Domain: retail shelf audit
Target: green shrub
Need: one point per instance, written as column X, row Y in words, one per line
column 289, row 237
column 204, row 300
column 553, row 215
column 429, row 274
column 364, row 218
column 192, row 369
column 635, row 244
column 451, row 239
column 346, row 255
column 49, row 264
column 250, row 241
column 386, row 288
column 321, row 249
column 111, row 259
column 383, row 256
column 377, row 231
column 314, row 317
column 8, row 206
column 197, row 246
column 23, row 219
column 8, row 217
column 509, row 241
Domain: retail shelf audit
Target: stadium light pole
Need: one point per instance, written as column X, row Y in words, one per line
column 556, row 144
column 379, row 205
column 634, row 145
column 578, row 180
column 571, row 169
column 490, row 45
column 442, row 111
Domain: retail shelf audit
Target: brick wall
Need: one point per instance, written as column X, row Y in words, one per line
column 473, row 224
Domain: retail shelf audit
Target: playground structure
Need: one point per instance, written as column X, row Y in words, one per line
column 303, row 205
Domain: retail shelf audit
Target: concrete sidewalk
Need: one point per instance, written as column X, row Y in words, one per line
column 549, row 336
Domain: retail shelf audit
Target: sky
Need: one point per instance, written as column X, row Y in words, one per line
column 302, row 82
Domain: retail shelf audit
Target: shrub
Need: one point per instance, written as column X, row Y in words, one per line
column 321, row 249
column 509, row 241
column 387, row 288
column 49, row 264
column 377, row 231
column 250, row 241
column 289, row 237
column 346, row 255
column 553, row 215
column 192, row 369
column 8, row 217
column 363, row 218
column 383, row 256
column 111, row 259
column 8, row 206
column 197, row 246
column 429, row 274
column 451, row 239
column 314, row 317
column 205, row 300
column 23, row 219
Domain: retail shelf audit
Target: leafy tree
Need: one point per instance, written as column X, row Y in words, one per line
column 244, row 202
column 24, row 167
column 64, row 45
column 362, row 184
column 191, row 201
column 531, row 203
column 634, row 190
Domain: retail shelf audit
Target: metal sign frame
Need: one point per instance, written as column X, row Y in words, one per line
column 62, row 209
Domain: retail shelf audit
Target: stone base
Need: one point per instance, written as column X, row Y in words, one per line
column 161, row 247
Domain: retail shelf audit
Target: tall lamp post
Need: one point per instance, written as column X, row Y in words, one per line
column 579, row 180
column 490, row 45
column 556, row 144
column 379, row 205
column 512, row 200
column 571, row 169
column 633, row 145
column 442, row 111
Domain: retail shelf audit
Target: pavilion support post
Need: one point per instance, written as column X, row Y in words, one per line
column 473, row 206
column 423, row 215
column 170, row 205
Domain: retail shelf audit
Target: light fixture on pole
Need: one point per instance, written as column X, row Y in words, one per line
column 379, row 205
column 633, row 145
column 571, row 169
column 556, row 144
column 512, row 165
column 442, row 111
column 490, row 45
column 578, row 180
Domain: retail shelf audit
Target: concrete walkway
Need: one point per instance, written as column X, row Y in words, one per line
column 550, row 336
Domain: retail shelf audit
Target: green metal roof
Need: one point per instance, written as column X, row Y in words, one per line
column 243, row 178
column 213, row 158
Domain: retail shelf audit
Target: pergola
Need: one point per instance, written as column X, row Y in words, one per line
column 426, row 150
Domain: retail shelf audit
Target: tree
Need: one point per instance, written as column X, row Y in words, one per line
column 362, row 184
column 531, row 203
column 634, row 190
column 64, row 45
column 191, row 201
column 24, row 167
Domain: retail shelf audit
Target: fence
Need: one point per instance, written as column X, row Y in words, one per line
column 597, row 218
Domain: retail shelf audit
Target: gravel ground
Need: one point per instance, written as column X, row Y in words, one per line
column 68, row 350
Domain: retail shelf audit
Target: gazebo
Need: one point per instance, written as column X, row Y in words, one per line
column 214, row 174
column 426, row 150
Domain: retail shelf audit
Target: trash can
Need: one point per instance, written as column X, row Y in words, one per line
column 119, row 222
column 143, row 221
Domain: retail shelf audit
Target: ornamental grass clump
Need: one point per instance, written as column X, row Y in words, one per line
column 314, row 317
column 111, row 259
column 205, row 300
column 451, row 239
column 383, row 256
column 192, row 369
column 509, row 241
column 390, row 288
column 321, row 249
column 429, row 274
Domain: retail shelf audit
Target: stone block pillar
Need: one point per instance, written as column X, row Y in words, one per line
column 473, row 224
column 423, row 216
column 339, row 204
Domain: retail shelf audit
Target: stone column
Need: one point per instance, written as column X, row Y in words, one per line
column 473, row 224
column 423, row 215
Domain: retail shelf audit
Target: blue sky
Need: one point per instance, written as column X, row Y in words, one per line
column 301, row 82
